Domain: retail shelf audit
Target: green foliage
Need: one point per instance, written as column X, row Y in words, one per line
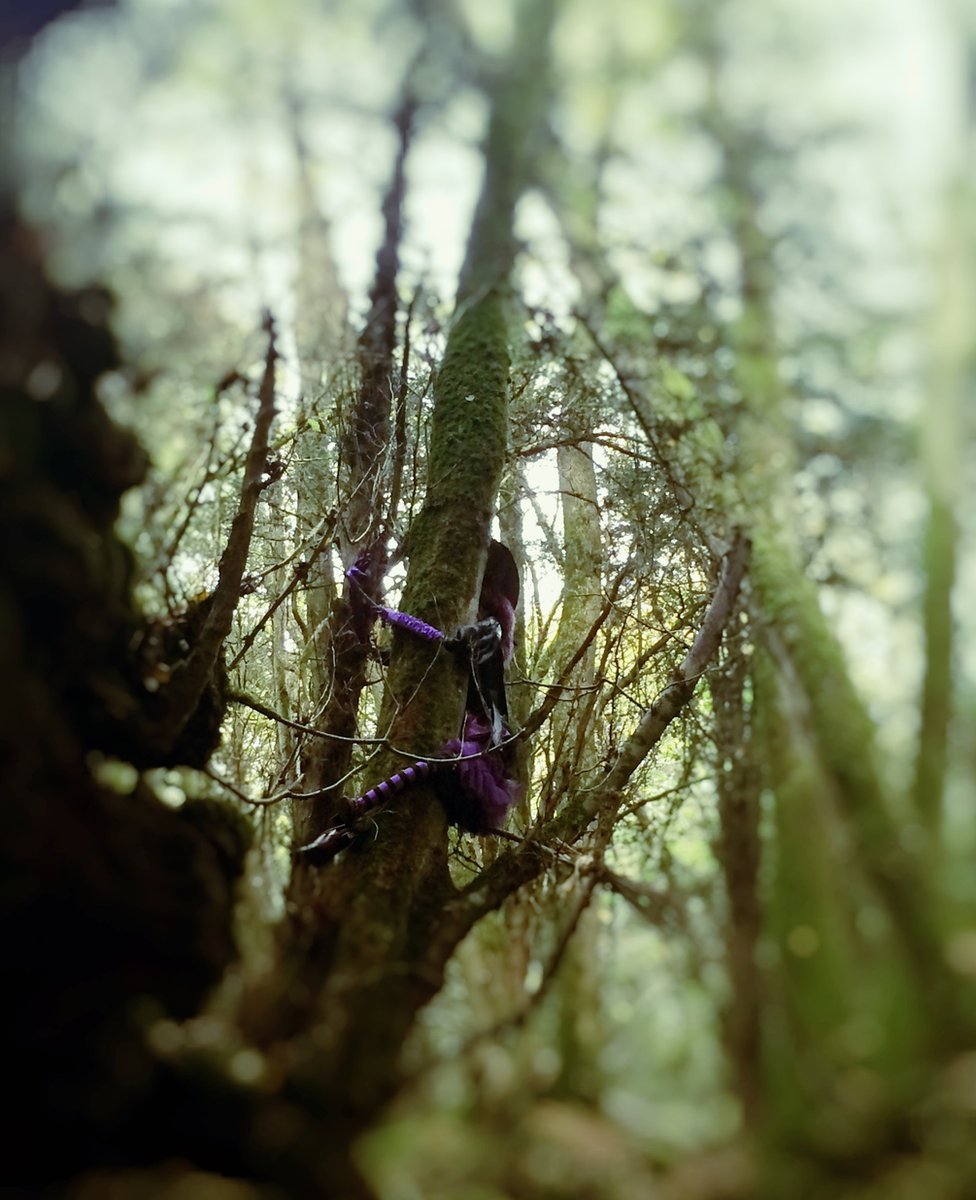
column 699, row 283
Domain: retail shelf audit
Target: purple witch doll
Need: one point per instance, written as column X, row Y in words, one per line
column 478, row 787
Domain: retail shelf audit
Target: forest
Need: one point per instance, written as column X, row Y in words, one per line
column 489, row 709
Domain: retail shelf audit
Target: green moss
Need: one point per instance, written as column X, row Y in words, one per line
column 841, row 724
column 469, row 438
column 808, row 853
column 470, row 425
column 841, row 735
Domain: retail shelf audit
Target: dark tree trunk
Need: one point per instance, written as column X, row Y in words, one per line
column 114, row 909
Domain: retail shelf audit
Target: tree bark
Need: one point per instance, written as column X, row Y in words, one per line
column 109, row 896
column 364, row 952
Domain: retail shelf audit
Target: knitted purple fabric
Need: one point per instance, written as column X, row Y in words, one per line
column 414, row 625
column 477, row 794
column 365, row 610
column 477, row 791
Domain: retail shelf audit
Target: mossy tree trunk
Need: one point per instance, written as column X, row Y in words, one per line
column 365, row 946
column 833, row 817
column 109, row 897
column 942, row 438
column 739, row 853
column 364, row 468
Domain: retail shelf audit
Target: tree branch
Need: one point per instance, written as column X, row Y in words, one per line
column 189, row 682
column 516, row 867
column 555, row 691
column 677, row 694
